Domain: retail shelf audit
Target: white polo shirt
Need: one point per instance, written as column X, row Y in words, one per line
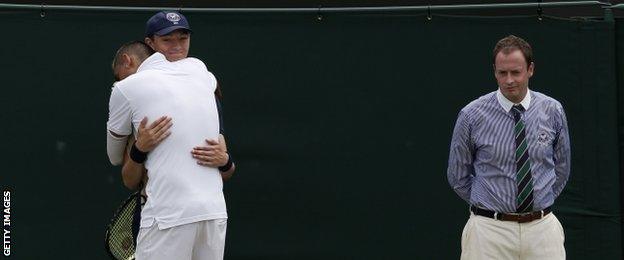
column 179, row 190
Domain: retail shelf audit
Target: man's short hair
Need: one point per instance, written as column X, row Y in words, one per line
column 138, row 49
column 512, row 43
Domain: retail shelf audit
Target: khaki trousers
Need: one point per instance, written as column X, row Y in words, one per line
column 484, row 238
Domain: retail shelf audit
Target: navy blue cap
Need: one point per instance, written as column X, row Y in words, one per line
column 165, row 22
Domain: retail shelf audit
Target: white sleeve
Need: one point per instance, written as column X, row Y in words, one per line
column 119, row 114
column 120, row 124
column 115, row 148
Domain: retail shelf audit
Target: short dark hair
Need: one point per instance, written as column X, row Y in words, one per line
column 138, row 49
column 512, row 43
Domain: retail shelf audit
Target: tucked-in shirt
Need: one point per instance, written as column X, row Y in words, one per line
column 482, row 163
column 179, row 190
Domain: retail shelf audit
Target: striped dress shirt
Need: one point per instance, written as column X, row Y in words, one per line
column 482, row 166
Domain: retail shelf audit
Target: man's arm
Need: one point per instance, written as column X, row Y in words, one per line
column 561, row 148
column 132, row 173
column 226, row 175
column 148, row 138
column 115, row 146
column 118, row 127
column 460, row 172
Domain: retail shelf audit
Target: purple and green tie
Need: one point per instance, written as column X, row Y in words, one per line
column 523, row 164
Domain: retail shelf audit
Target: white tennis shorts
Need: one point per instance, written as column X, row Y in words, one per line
column 203, row 240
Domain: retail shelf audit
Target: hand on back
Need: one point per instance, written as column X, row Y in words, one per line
column 213, row 154
column 148, row 137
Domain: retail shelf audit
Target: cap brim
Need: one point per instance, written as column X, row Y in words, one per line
column 170, row 29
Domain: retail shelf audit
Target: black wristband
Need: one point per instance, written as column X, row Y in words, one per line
column 228, row 164
column 137, row 155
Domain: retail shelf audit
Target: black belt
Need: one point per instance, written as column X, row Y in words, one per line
column 516, row 217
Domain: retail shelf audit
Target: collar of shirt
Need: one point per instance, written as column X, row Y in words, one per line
column 156, row 61
column 507, row 104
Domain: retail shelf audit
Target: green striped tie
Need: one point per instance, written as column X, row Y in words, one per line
column 523, row 165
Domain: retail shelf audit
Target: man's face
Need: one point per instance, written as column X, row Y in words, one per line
column 174, row 46
column 512, row 75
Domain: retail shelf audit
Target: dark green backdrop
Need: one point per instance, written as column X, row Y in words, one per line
column 340, row 128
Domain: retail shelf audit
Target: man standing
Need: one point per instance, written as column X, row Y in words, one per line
column 185, row 216
column 510, row 159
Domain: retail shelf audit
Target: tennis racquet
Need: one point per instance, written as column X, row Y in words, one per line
column 120, row 237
